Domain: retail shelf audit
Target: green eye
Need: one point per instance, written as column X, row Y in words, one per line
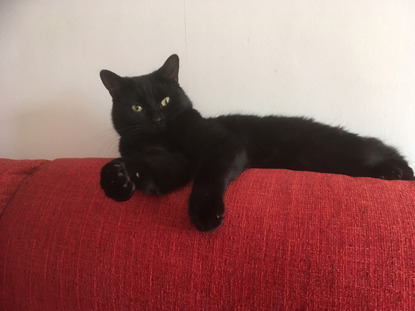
column 165, row 101
column 137, row 108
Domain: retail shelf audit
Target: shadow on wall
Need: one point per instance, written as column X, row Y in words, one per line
column 66, row 126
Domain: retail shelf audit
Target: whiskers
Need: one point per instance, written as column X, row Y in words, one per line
column 105, row 142
column 133, row 131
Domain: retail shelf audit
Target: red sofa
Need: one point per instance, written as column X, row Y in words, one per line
column 290, row 241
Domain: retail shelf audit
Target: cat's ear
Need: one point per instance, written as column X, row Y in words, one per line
column 112, row 81
column 170, row 69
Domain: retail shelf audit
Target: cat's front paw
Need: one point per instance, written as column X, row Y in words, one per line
column 116, row 182
column 206, row 211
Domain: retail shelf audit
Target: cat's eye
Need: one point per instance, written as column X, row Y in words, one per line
column 137, row 108
column 165, row 101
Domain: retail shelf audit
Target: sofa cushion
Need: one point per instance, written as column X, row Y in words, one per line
column 12, row 173
column 290, row 240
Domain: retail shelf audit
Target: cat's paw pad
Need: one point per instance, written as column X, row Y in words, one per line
column 206, row 212
column 116, row 182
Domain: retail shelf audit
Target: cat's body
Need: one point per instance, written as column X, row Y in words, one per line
column 165, row 143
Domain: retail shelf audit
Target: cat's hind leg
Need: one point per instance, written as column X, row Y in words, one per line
column 392, row 169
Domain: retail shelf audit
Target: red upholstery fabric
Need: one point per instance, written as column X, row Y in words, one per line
column 12, row 173
column 290, row 241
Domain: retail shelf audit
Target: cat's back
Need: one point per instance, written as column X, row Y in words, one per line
column 293, row 133
column 271, row 126
column 288, row 142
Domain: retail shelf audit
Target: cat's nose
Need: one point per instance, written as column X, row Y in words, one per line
column 157, row 120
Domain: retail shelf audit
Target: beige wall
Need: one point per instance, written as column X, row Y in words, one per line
column 349, row 63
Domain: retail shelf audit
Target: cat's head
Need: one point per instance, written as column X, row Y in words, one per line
column 146, row 104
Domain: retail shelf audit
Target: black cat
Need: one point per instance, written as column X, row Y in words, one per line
column 165, row 143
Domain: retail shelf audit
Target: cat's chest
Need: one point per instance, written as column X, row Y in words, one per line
column 189, row 134
column 167, row 140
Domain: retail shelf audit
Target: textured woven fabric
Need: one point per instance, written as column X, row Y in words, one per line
column 290, row 241
column 12, row 173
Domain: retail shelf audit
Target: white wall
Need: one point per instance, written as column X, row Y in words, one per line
column 349, row 63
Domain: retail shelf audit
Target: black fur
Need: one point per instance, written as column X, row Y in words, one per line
column 164, row 147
